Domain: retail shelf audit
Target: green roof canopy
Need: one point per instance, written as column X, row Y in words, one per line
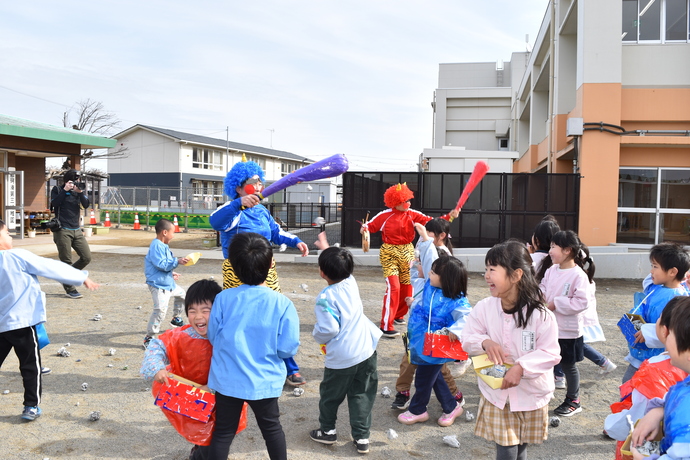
column 19, row 127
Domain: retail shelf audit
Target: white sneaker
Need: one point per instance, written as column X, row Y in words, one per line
column 560, row 383
column 607, row 367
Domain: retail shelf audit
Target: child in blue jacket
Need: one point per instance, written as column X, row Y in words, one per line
column 444, row 305
column 159, row 264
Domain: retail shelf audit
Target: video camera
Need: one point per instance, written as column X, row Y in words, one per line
column 80, row 185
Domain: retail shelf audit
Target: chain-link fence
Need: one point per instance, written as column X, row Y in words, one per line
column 125, row 205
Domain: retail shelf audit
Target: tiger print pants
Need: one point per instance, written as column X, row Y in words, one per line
column 230, row 280
column 395, row 260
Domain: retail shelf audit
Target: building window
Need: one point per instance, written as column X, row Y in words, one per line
column 286, row 168
column 207, row 190
column 653, row 205
column 207, row 159
column 261, row 161
column 503, row 144
column 655, row 21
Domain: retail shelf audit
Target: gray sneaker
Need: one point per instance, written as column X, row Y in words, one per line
column 73, row 295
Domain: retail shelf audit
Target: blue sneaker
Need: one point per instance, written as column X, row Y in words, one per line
column 177, row 321
column 31, row 413
column 73, row 295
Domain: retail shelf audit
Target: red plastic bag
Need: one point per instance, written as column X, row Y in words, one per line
column 440, row 346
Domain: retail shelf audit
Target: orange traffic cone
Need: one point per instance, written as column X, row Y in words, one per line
column 176, row 225
column 92, row 221
column 107, row 219
column 136, row 222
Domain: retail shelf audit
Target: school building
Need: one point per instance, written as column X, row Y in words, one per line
column 605, row 92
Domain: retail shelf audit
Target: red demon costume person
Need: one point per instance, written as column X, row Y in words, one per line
column 396, row 254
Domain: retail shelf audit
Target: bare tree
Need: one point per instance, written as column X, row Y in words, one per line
column 92, row 117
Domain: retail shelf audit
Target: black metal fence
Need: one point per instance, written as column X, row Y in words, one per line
column 504, row 205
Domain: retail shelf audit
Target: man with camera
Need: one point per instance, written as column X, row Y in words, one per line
column 66, row 202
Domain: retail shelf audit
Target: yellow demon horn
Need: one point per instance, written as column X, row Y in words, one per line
column 244, row 158
column 398, row 187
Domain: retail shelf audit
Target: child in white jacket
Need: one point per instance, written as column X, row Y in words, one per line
column 348, row 338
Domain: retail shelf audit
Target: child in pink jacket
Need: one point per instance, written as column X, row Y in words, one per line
column 513, row 327
column 569, row 292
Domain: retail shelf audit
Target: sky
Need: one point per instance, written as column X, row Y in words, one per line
column 314, row 78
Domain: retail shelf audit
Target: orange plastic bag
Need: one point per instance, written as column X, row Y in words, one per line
column 654, row 380
column 191, row 359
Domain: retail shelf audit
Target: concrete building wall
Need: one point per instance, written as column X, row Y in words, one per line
column 655, row 65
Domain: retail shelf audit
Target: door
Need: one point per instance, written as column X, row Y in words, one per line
column 13, row 201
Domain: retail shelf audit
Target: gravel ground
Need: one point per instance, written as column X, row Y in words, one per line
column 131, row 427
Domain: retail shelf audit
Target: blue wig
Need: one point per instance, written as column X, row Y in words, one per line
column 240, row 172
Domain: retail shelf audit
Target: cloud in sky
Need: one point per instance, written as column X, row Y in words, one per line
column 354, row 77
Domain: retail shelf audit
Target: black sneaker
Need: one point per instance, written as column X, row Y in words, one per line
column 322, row 437
column 401, row 401
column 390, row 334
column 147, row 340
column 568, row 408
column 73, row 295
column 177, row 321
column 362, row 446
column 295, row 380
column 399, row 321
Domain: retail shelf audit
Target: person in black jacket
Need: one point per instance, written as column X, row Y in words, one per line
column 66, row 202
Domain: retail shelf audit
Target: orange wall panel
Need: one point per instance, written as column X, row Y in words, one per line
column 655, row 157
column 655, row 104
column 598, row 162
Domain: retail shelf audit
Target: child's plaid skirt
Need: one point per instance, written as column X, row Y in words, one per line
column 508, row 428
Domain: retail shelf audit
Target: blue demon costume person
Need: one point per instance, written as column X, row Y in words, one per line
column 245, row 213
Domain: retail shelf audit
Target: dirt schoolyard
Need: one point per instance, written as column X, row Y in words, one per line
column 131, row 427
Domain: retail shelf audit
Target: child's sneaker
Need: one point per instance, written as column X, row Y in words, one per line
column 177, row 321
column 46, row 370
column 362, row 446
column 408, row 418
column 147, row 340
column 607, row 367
column 31, row 413
column 448, row 419
column 568, row 408
column 324, row 437
column 399, row 321
column 295, row 380
column 560, row 383
column 390, row 334
column 402, row 400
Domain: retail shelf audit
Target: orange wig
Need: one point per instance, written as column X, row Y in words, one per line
column 397, row 194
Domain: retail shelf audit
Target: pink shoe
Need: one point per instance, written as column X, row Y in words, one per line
column 448, row 419
column 408, row 418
